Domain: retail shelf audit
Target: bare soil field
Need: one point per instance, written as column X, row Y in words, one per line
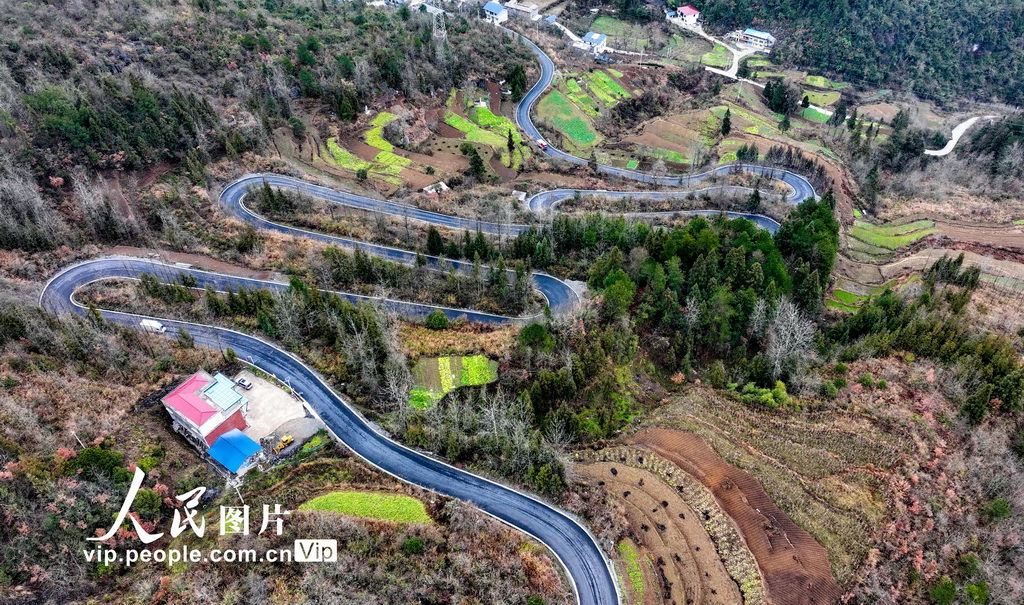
column 678, row 559
column 795, row 567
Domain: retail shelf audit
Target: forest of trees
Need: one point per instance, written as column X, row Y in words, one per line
column 935, row 49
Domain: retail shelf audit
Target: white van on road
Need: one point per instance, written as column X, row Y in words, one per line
column 152, row 325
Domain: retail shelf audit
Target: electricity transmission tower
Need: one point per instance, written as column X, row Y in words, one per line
column 440, row 37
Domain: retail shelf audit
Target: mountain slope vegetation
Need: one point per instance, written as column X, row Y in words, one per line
column 938, row 50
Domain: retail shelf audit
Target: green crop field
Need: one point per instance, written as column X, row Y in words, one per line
column 821, row 99
column 814, row 115
column 891, row 237
column 435, row 377
column 371, row 505
column 835, row 304
column 473, row 132
column 634, row 570
column 567, row 118
column 632, row 164
column 758, row 62
column 719, row 57
column 823, row 82
column 849, row 298
column 605, row 88
column 768, row 74
column 343, row 158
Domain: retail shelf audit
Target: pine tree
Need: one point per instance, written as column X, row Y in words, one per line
column 435, row 243
column 727, row 123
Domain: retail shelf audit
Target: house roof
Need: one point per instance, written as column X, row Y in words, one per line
column 232, row 449
column 185, row 400
column 493, row 7
column 592, row 38
column 222, row 392
column 756, row 33
column 689, row 11
column 551, row 19
column 234, row 421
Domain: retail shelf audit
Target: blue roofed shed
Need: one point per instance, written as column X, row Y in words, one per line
column 233, row 450
column 551, row 19
column 594, row 39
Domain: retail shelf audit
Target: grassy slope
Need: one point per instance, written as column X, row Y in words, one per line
column 389, row 507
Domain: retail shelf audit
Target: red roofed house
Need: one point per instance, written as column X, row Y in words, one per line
column 205, row 407
column 689, row 15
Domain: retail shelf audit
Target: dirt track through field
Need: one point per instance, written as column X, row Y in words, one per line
column 795, row 567
column 680, row 563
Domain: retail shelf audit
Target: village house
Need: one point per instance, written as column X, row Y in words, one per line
column 205, row 409
column 757, row 38
column 597, row 43
column 689, row 15
column 523, row 10
column 495, row 13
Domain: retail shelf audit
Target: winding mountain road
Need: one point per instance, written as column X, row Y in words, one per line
column 591, row 574
column 589, row 571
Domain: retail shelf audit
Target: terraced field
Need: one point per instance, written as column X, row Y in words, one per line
column 718, row 57
column 569, row 119
column 814, row 115
column 436, row 376
column 891, row 236
column 824, row 471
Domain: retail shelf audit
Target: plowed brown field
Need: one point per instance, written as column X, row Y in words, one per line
column 795, row 567
column 679, row 560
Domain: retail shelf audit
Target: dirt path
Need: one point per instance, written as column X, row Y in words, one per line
column 795, row 567
column 679, row 560
column 198, row 261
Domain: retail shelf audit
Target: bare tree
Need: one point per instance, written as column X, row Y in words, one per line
column 789, row 338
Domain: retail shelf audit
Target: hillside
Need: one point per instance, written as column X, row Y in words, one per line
column 938, row 50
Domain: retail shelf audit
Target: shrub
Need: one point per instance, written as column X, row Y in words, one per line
column 943, row 593
column 413, row 546
column 535, row 601
column 866, row 380
column 840, row 383
column 831, row 391
column 536, row 336
column 96, row 462
column 437, row 320
column 716, row 374
column 977, row 592
column 841, row 368
column 997, row 509
column 883, row 384
column 147, row 503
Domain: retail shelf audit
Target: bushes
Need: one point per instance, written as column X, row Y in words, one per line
column 437, row 320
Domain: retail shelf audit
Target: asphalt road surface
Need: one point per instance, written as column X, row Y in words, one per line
column 591, row 574
column 588, row 569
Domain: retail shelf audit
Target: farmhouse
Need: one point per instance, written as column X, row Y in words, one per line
column 757, row 38
column 205, row 407
column 598, row 43
column 523, row 10
column 495, row 12
column 689, row 15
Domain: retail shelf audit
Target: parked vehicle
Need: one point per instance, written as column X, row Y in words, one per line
column 245, row 384
column 152, row 325
column 542, row 144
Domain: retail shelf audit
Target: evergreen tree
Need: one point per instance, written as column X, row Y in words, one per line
column 727, row 123
column 435, row 243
